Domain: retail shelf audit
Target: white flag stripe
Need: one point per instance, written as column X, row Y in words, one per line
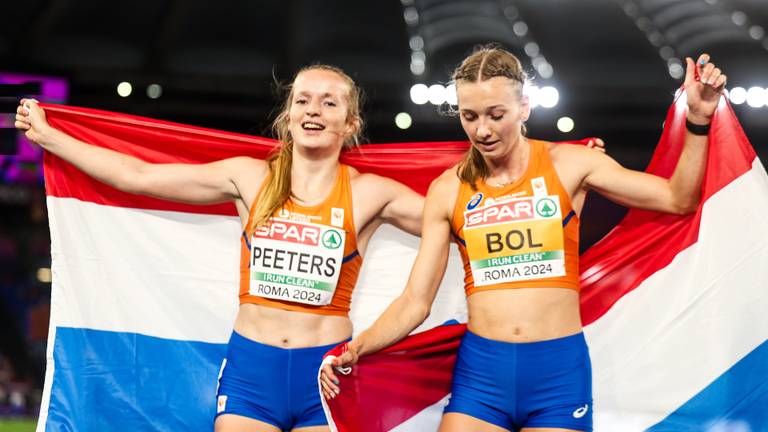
column 157, row 273
column 708, row 322
column 384, row 274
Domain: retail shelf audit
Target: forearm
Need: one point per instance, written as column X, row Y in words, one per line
column 116, row 169
column 685, row 183
column 399, row 319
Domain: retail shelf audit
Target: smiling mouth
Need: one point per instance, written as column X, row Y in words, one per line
column 310, row 126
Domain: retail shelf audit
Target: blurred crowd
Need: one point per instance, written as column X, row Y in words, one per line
column 25, row 293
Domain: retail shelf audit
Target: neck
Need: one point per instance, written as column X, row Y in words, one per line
column 510, row 166
column 313, row 173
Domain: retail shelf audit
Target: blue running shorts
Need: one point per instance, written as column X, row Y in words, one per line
column 271, row 384
column 532, row 384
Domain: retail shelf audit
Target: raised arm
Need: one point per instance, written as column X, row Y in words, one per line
column 412, row 307
column 191, row 183
column 682, row 192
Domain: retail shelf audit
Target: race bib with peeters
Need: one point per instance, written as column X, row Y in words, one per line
column 515, row 240
column 296, row 261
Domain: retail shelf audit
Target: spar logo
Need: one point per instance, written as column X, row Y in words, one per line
column 290, row 231
column 500, row 212
column 546, row 207
column 331, row 239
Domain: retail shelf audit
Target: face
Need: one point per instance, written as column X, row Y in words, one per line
column 492, row 114
column 318, row 115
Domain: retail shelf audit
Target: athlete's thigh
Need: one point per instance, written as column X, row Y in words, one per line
column 237, row 423
column 312, row 429
column 537, row 429
column 458, row 422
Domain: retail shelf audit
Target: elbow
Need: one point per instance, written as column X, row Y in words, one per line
column 686, row 207
column 422, row 311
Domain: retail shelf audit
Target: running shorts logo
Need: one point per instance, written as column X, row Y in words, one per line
column 221, row 404
column 581, row 411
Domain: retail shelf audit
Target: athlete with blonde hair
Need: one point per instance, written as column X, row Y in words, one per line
column 307, row 220
column 513, row 206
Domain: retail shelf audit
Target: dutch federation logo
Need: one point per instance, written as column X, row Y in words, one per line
column 331, row 239
column 474, row 201
column 546, row 207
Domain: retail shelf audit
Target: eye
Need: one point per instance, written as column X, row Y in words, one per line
column 469, row 117
column 329, row 103
column 301, row 101
column 497, row 117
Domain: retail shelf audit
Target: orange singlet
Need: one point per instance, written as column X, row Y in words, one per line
column 305, row 259
column 522, row 235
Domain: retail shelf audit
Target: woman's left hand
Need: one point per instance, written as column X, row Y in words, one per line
column 703, row 93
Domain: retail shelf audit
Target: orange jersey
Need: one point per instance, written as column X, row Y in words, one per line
column 305, row 259
column 522, row 235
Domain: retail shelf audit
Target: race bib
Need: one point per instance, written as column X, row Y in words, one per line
column 514, row 240
column 296, row 261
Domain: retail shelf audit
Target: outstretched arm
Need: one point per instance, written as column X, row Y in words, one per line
column 191, row 183
column 682, row 192
column 412, row 307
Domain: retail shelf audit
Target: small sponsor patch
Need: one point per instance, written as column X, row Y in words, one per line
column 539, row 186
column 221, row 404
column 337, row 217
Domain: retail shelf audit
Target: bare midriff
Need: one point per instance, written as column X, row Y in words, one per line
column 524, row 314
column 290, row 329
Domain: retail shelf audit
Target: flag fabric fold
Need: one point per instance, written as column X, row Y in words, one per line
column 145, row 293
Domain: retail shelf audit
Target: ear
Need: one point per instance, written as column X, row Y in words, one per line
column 353, row 125
column 525, row 104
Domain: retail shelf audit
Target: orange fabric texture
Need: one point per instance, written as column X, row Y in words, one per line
column 339, row 197
column 539, row 165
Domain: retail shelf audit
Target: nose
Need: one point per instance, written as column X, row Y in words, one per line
column 313, row 108
column 483, row 132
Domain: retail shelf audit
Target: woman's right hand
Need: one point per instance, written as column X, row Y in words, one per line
column 30, row 118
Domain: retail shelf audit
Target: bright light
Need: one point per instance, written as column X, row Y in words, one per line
column 417, row 68
column 756, row 32
column 549, row 96
column 676, row 69
column 565, row 124
column 411, row 16
column 532, row 49
column 124, row 89
column 666, row 52
column 418, row 57
column 738, row 95
column 739, row 18
column 545, row 70
column 154, row 91
column 419, row 94
column 403, row 120
column 520, row 28
column 756, row 97
column 436, row 94
column 44, row 275
column 450, row 95
column 416, row 43
column 532, row 92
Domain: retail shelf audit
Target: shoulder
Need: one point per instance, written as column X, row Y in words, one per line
column 444, row 190
column 577, row 157
column 246, row 172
